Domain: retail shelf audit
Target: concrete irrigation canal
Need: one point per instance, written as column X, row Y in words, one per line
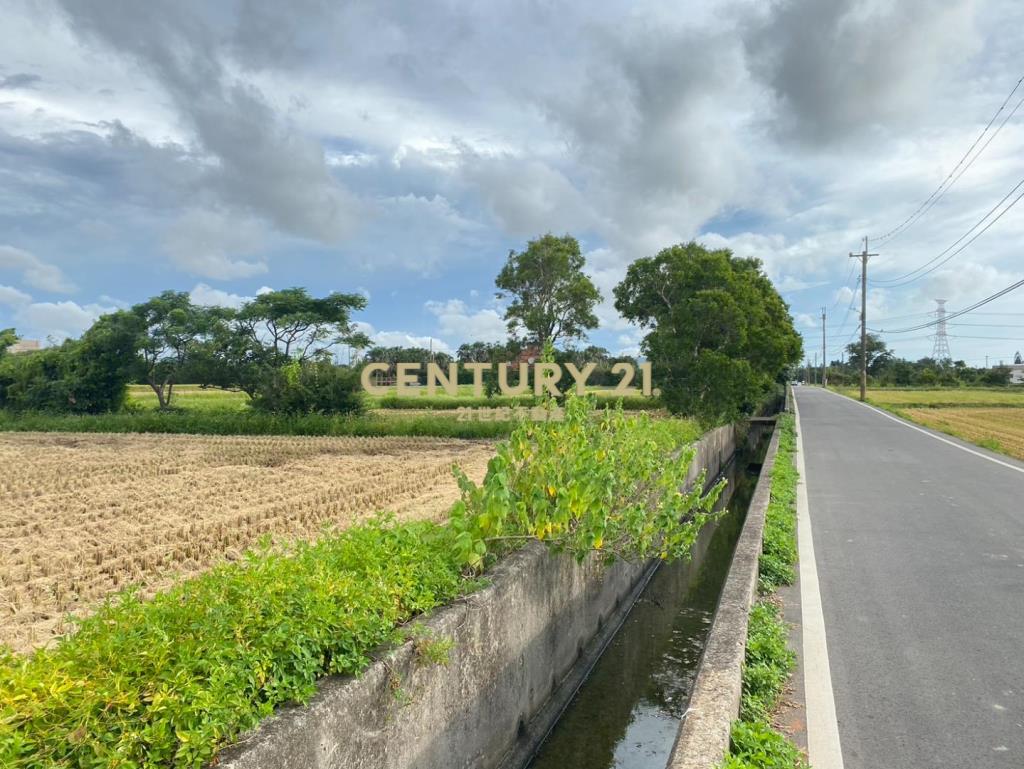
column 560, row 664
column 628, row 711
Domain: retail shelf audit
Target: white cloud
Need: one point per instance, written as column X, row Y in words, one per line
column 207, row 296
column 12, row 297
column 57, row 320
column 402, row 339
column 34, row 271
column 208, row 243
column 456, row 320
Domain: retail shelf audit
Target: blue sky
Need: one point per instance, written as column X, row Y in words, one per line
column 403, row 149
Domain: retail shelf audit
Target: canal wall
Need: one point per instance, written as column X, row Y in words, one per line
column 703, row 738
column 520, row 648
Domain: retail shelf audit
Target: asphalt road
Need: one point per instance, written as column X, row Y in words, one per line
column 920, row 555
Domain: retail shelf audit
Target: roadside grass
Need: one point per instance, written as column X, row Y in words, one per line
column 768, row 661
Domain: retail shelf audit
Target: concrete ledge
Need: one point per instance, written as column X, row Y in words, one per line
column 519, row 645
column 703, row 737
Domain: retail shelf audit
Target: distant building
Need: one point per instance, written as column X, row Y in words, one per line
column 24, row 345
column 1016, row 373
column 529, row 355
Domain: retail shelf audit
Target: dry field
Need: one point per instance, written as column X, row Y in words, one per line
column 84, row 515
column 1000, row 429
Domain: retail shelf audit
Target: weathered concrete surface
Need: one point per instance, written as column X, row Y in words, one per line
column 516, row 644
column 703, row 738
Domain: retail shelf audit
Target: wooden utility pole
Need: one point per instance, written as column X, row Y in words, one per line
column 863, row 256
column 824, row 378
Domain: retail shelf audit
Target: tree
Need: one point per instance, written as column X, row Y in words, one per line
column 102, row 363
column 1017, row 360
column 299, row 326
column 171, row 330
column 878, row 354
column 552, row 298
column 7, row 339
column 720, row 335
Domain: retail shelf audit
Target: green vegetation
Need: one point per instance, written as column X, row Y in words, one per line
column 247, row 422
column 720, row 337
column 778, row 548
column 755, row 745
column 767, row 664
column 768, row 661
column 552, row 298
column 609, row 483
column 886, row 370
column 168, row 681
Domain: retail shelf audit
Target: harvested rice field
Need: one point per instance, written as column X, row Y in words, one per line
column 999, row 429
column 85, row 515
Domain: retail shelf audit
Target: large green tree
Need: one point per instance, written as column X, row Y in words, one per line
column 552, row 298
column 719, row 335
column 878, row 354
column 302, row 327
column 172, row 329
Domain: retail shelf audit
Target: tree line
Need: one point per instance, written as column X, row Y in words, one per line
column 718, row 335
column 886, row 370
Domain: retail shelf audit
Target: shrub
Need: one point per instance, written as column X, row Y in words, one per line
column 603, row 481
column 310, row 388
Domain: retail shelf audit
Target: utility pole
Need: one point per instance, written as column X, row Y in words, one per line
column 824, row 378
column 814, row 371
column 863, row 256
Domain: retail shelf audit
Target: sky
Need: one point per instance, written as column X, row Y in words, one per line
column 401, row 150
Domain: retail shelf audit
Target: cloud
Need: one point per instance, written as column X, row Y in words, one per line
column 12, row 297
column 206, row 296
column 457, row 321
column 258, row 163
column 58, row 320
column 19, row 80
column 402, row 339
column 207, row 243
column 34, row 271
column 838, row 68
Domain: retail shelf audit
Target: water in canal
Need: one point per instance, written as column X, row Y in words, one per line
column 627, row 713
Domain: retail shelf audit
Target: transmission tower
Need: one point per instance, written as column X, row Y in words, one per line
column 940, row 351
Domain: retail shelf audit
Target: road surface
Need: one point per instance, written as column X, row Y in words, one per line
column 919, row 550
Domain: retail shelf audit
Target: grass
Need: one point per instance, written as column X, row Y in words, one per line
column 950, row 397
column 190, row 397
column 166, row 682
column 215, row 421
column 992, row 418
column 768, row 662
column 779, row 549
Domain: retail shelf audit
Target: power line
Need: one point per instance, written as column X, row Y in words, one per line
column 957, row 314
column 897, row 282
column 949, row 181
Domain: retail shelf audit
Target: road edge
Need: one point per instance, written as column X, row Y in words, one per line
column 824, row 748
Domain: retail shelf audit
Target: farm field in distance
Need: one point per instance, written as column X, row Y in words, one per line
column 85, row 515
column 990, row 418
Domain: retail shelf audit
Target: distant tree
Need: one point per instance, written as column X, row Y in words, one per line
column 1017, row 360
column 552, row 298
column 299, row 326
column 719, row 335
column 102, row 363
column 171, row 330
column 878, row 354
column 7, row 339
